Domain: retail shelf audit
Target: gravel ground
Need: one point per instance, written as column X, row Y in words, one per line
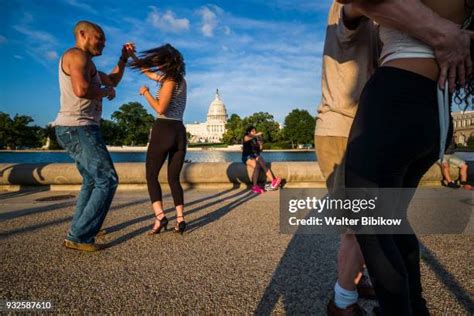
column 232, row 259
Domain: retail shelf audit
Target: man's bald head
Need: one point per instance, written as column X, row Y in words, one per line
column 86, row 26
column 89, row 37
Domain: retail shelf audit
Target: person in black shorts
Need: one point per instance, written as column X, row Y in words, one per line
column 252, row 147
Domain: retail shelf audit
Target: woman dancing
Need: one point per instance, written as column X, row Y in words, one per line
column 165, row 65
column 400, row 99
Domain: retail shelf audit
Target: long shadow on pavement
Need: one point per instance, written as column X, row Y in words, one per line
column 211, row 217
column 142, row 230
column 462, row 295
column 31, row 228
column 304, row 276
column 35, row 210
column 22, row 192
column 134, row 221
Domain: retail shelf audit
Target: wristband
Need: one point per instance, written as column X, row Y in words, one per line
column 123, row 59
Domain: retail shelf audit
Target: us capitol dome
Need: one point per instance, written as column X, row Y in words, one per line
column 212, row 130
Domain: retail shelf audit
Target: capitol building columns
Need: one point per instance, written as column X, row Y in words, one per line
column 463, row 127
column 212, row 130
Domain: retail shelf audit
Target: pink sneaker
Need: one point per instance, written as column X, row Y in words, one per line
column 276, row 182
column 257, row 189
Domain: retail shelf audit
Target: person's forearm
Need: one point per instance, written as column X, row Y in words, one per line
column 117, row 73
column 409, row 16
column 154, row 103
column 94, row 92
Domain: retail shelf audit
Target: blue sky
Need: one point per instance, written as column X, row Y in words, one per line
column 262, row 55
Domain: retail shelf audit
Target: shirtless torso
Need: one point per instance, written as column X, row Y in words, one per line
column 455, row 11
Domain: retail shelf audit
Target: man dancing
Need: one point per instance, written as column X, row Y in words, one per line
column 82, row 88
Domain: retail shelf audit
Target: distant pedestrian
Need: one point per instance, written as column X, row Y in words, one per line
column 252, row 147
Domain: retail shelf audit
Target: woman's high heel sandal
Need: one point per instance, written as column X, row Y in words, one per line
column 180, row 226
column 163, row 224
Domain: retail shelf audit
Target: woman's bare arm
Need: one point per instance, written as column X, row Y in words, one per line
column 451, row 45
column 166, row 93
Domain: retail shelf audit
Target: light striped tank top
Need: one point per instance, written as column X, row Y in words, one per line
column 175, row 110
column 75, row 111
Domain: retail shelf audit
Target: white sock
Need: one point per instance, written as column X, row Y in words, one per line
column 343, row 297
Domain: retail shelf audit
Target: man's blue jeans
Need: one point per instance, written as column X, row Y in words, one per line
column 86, row 146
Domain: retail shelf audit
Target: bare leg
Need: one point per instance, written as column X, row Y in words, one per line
column 463, row 173
column 256, row 170
column 445, row 172
column 159, row 213
column 179, row 213
column 268, row 172
column 350, row 262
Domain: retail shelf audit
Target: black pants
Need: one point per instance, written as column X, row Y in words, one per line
column 168, row 140
column 394, row 140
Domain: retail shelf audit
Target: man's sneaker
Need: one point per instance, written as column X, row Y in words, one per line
column 351, row 310
column 276, row 183
column 257, row 189
column 81, row 246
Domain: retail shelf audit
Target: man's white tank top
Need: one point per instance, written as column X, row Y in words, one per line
column 75, row 111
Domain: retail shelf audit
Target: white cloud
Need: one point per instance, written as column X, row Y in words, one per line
column 17, row 56
column 40, row 45
column 82, row 6
column 167, row 22
column 51, row 55
column 3, row 39
column 209, row 21
column 39, row 36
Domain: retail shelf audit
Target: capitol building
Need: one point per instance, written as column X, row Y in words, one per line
column 463, row 127
column 212, row 130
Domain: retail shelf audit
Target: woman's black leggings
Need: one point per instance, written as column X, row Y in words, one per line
column 168, row 139
column 393, row 142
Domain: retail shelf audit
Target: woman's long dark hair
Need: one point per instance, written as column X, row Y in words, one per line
column 249, row 129
column 463, row 98
column 169, row 59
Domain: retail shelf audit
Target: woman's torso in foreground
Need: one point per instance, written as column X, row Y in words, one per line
column 397, row 42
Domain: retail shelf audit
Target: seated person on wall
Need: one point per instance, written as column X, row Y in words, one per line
column 451, row 159
column 252, row 147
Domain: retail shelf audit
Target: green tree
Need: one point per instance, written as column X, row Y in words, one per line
column 299, row 127
column 17, row 133
column 49, row 132
column 234, row 130
column 470, row 142
column 111, row 132
column 263, row 122
column 134, row 122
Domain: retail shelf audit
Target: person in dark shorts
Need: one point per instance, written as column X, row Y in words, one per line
column 252, row 147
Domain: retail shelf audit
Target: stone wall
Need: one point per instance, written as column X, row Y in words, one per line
column 64, row 176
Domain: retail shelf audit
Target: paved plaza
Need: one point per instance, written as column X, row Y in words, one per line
column 232, row 259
